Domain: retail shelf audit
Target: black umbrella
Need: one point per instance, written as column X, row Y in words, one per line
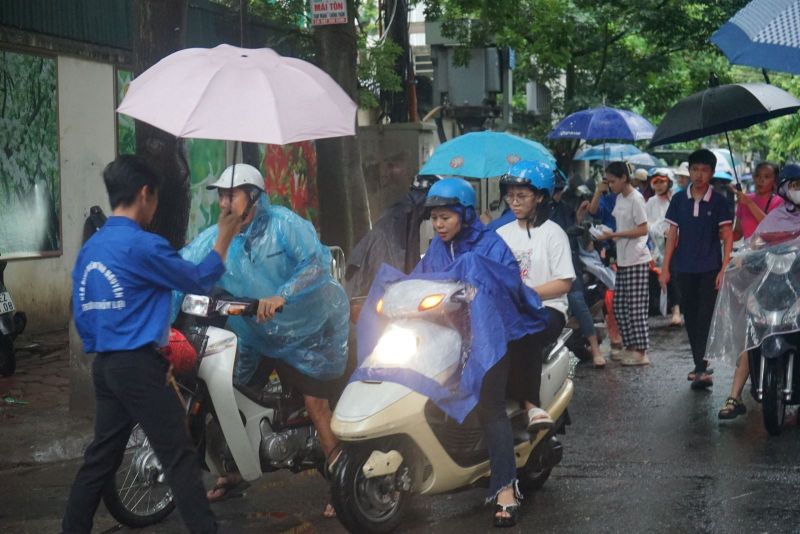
column 722, row 109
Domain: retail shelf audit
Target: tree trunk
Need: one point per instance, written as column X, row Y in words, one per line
column 159, row 30
column 344, row 207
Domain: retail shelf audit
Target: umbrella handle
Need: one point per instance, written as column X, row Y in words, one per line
column 733, row 164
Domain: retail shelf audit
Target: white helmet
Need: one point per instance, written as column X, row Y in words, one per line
column 244, row 175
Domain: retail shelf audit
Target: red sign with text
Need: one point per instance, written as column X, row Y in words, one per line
column 328, row 12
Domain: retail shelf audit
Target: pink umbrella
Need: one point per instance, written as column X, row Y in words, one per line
column 240, row 94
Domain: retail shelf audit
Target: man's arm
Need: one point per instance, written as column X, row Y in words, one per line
column 669, row 249
column 594, row 205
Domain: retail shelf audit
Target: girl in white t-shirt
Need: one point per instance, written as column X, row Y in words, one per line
column 631, row 291
column 542, row 251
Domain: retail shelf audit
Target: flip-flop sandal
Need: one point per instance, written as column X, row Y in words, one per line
column 703, row 381
column 538, row 419
column 228, row 490
column 691, row 377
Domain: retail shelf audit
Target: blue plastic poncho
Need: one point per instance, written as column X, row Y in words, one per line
column 473, row 237
column 503, row 309
column 279, row 254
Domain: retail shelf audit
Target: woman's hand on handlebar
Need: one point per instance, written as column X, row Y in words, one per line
column 268, row 307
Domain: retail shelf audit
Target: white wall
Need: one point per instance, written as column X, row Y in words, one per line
column 42, row 287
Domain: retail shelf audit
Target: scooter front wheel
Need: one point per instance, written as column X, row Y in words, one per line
column 367, row 505
column 773, row 404
column 139, row 496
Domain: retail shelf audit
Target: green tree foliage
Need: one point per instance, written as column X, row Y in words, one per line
column 376, row 56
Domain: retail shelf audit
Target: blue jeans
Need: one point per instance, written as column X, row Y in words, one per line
column 579, row 308
column 497, row 429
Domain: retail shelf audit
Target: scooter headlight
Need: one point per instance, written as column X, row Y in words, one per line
column 196, row 305
column 780, row 263
column 396, row 347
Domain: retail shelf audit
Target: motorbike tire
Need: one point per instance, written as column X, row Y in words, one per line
column 533, row 480
column 122, row 496
column 8, row 360
column 773, row 405
column 355, row 508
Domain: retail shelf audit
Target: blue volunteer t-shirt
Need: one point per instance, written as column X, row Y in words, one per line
column 699, row 249
column 122, row 286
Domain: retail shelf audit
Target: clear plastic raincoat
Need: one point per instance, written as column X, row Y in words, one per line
column 759, row 297
column 279, row 254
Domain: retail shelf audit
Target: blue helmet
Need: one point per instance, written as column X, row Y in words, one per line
column 451, row 192
column 790, row 172
column 536, row 174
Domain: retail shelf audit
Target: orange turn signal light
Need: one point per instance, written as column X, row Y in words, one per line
column 379, row 307
column 431, row 301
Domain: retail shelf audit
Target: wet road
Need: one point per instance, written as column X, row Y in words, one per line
column 644, row 454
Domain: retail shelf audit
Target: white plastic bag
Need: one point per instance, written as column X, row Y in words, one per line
column 662, row 302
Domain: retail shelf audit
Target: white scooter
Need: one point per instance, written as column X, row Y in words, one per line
column 396, row 442
column 233, row 427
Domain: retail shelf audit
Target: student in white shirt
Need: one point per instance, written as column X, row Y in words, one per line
column 631, row 291
column 657, row 226
column 542, row 250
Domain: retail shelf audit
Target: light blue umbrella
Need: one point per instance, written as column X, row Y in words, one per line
column 483, row 155
column 609, row 152
column 645, row 160
column 763, row 34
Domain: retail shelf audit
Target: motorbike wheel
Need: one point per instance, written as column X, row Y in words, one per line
column 8, row 361
column 773, row 405
column 139, row 496
column 533, row 480
column 366, row 505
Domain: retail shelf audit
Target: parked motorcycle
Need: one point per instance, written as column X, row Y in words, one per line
column 234, row 428
column 396, row 442
column 12, row 324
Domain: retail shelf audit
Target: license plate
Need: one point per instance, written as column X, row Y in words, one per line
column 6, row 304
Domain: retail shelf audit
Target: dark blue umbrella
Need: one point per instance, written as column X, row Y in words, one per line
column 763, row 34
column 609, row 152
column 603, row 123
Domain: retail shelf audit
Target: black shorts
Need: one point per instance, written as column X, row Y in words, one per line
column 291, row 377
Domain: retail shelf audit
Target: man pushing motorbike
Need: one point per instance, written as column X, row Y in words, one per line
column 278, row 259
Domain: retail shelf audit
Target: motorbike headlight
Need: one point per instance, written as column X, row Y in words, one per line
column 396, row 347
column 196, row 305
column 780, row 263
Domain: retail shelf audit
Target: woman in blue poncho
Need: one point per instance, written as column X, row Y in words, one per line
column 459, row 231
column 278, row 259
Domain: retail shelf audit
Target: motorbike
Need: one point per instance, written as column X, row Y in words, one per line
column 397, row 443
column 760, row 297
column 12, row 324
column 234, row 427
column 773, row 306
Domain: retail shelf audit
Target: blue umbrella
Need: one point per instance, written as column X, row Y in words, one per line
column 763, row 34
column 603, row 123
column 609, row 152
column 483, row 155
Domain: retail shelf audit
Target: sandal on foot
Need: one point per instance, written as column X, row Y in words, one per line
column 599, row 362
column 691, row 377
column 633, row 359
column 505, row 522
column 732, row 409
column 228, row 489
column 538, row 419
column 703, row 380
